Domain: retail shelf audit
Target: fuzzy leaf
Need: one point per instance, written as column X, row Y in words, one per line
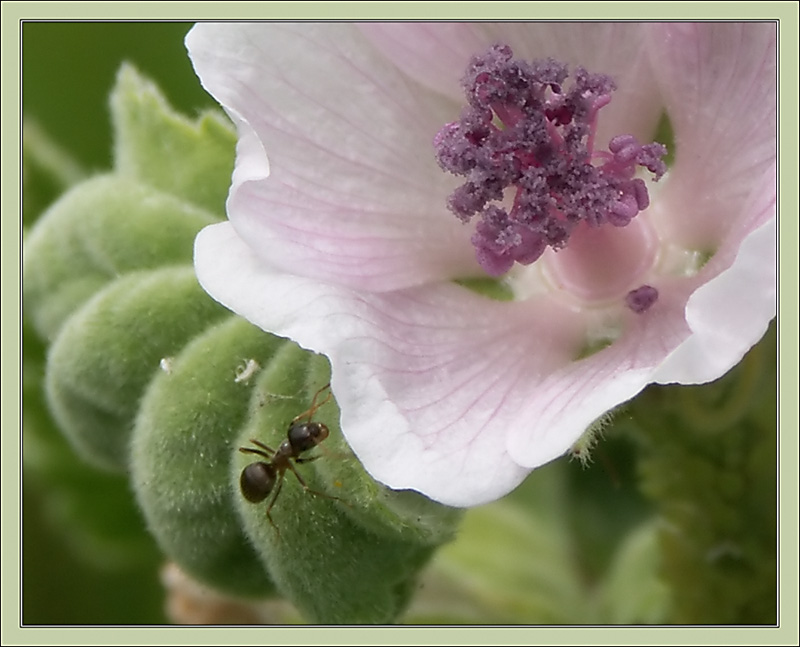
column 192, row 161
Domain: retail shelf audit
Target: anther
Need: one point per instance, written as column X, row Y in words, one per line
column 527, row 140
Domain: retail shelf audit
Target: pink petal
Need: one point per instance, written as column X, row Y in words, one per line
column 436, row 55
column 353, row 194
column 719, row 83
column 420, row 375
column 469, row 394
column 342, row 241
column 571, row 397
column 731, row 312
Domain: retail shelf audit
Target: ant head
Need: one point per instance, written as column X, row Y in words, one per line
column 305, row 435
column 257, row 481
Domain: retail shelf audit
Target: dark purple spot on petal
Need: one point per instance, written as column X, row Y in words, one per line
column 640, row 299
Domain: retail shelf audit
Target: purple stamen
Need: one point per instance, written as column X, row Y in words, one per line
column 623, row 210
column 641, row 194
column 523, row 131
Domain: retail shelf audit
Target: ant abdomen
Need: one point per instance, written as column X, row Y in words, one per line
column 257, row 481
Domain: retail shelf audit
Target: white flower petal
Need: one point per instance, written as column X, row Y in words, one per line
column 436, row 55
column 342, row 242
column 354, row 194
column 719, row 83
column 729, row 314
column 404, row 369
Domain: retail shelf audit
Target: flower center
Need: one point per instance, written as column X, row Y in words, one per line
column 602, row 263
column 525, row 145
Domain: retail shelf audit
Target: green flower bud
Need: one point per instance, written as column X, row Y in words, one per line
column 108, row 351
column 343, row 548
column 182, row 445
column 99, row 230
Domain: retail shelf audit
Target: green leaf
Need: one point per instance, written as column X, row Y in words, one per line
column 633, row 591
column 513, row 562
column 190, row 160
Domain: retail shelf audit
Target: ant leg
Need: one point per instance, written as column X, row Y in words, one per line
column 314, row 406
column 265, row 450
column 262, row 445
column 308, row 489
column 272, row 503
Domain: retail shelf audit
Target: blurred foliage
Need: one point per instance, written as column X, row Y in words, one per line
column 709, row 463
column 68, row 70
column 109, row 572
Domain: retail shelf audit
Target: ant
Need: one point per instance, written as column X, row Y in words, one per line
column 261, row 479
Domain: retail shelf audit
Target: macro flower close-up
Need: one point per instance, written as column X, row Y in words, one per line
column 496, row 232
column 348, row 322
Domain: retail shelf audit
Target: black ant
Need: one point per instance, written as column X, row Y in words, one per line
column 259, row 479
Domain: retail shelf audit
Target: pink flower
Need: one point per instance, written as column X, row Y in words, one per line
column 340, row 235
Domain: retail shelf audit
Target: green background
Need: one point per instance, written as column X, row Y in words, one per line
column 68, row 70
